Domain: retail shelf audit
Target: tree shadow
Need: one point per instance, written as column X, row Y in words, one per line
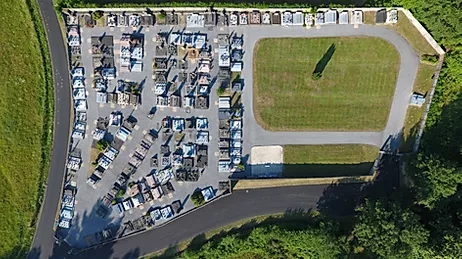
column 322, row 63
column 339, row 200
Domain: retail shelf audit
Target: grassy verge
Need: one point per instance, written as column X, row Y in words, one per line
column 26, row 119
column 369, row 17
column 405, row 28
column 286, row 182
column 328, row 160
column 422, row 85
column 354, row 93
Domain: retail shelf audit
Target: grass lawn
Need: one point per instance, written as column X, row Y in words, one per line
column 26, row 103
column 411, row 34
column 422, row 85
column 369, row 17
column 354, row 93
column 328, row 160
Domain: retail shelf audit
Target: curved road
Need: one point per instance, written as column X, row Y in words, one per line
column 42, row 245
column 241, row 204
column 238, row 206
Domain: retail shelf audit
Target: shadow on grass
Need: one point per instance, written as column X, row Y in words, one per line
column 407, row 142
column 322, row 63
column 326, row 170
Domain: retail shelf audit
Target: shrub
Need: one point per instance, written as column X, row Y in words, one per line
column 97, row 15
column 241, row 166
column 430, row 58
column 121, row 193
column 316, row 76
column 102, row 144
column 220, row 91
column 197, row 198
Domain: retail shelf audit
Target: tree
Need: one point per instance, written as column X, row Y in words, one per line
column 197, row 198
column 433, row 179
column 102, row 144
column 385, row 229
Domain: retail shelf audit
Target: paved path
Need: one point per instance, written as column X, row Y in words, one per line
column 43, row 240
column 238, row 206
column 256, row 135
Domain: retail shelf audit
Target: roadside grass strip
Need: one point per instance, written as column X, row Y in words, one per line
column 26, row 107
column 320, row 161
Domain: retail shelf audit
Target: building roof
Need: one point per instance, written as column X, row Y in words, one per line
column 319, row 18
column 330, row 16
column 381, row 16
column 297, row 19
column 343, row 17
column 195, row 20
column 202, row 123
column 357, row 17
column 202, row 137
column 224, row 102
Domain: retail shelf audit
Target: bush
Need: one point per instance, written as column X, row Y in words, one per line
column 97, row 15
column 316, row 76
column 430, row 58
column 197, row 198
column 161, row 16
column 102, row 144
column 220, row 91
column 241, row 166
column 120, row 194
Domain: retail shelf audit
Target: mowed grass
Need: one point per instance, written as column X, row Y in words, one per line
column 328, row 160
column 405, row 28
column 422, row 85
column 354, row 93
column 26, row 103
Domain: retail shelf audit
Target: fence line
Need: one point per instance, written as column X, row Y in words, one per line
column 428, row 104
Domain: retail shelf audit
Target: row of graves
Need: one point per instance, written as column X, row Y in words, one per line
column 195, row 85
column 188, row 161
column 122, row 186
column 74, row 41
column 105, row 158
column 125, row 93
column 79, row 94
column 131, row 52
column 74, row 162
column 230, row 140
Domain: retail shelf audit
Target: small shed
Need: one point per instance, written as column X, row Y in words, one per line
column 417, row 99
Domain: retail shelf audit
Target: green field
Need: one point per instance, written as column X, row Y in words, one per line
column 328, row 160
column 26, row 101
column 354, row 93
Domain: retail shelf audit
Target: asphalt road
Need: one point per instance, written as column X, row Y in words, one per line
column 240, row 205
column 42, row 245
